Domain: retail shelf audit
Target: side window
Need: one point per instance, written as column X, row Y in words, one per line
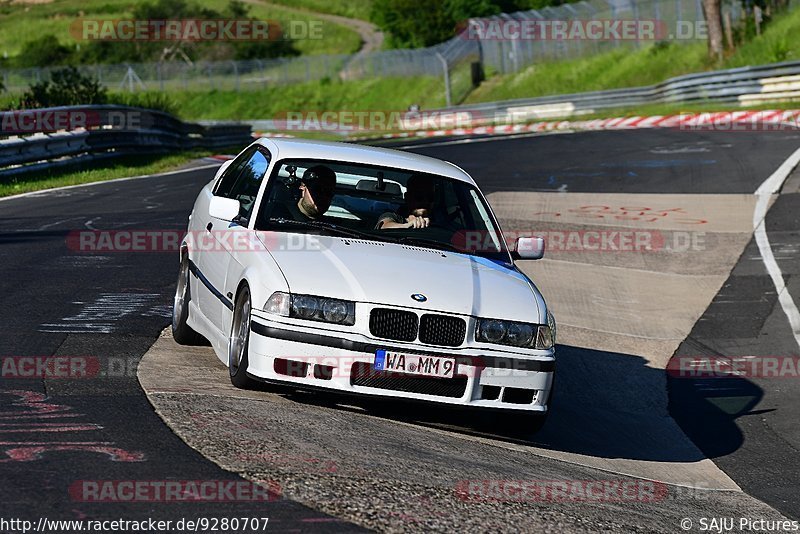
column 228, row 178
column 243, row 184
column 453, row 204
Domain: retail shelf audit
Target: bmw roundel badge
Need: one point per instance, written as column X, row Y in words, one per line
column 419, row 297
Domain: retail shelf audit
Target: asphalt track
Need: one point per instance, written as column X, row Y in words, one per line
column 112, row 306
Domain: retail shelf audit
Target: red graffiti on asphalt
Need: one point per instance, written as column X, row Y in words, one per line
column 629, row 213
column 29, row 409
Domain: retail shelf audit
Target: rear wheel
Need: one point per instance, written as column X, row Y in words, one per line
column 239, row 341
column 182, row 333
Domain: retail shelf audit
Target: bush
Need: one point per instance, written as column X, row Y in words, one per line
column 44, row 51
column 66, row 87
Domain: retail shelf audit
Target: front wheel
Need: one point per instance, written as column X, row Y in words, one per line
column 239, row 341
column 518, row 423
column 182, row 333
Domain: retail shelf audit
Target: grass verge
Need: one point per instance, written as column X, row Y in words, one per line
column 123, row 167
column 384, row 94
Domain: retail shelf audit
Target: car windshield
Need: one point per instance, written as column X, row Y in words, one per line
column 380, row 204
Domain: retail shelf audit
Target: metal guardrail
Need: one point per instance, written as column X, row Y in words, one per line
column 776, row 82
column 100, row 132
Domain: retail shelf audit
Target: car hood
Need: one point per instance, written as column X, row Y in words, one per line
column 389, row 273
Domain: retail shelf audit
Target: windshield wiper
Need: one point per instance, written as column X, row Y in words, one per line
column 320, row 225
column 430, row 243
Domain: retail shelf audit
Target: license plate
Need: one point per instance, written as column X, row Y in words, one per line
column 414, row 364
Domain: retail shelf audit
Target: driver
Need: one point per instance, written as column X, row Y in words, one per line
column 416, row 212
column 316, row 193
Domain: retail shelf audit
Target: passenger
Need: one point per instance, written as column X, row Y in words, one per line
column 416, row 212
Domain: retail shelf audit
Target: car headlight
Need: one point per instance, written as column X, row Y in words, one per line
column 551, row 322
column 279, row 303
column 516, row 334
column 312, row 308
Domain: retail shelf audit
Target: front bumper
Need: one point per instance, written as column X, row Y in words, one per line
column 316, row 358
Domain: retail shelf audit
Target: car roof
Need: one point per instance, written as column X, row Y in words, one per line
column 286, row 148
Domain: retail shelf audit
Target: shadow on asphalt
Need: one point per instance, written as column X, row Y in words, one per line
column 605, row 405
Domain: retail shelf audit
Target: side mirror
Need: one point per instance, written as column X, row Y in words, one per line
column 223, row 208
column 529, row 248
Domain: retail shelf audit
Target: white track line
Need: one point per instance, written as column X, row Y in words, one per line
column 103, row 182
column 764, row 193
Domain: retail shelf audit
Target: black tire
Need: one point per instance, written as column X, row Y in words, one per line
column 239, row 341
column 518, row 423
column 182, row 333
column 521, row 423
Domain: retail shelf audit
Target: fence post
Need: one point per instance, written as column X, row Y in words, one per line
column 446, row 79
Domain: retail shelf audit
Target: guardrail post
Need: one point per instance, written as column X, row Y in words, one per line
column 236, row 75
column 446, row 79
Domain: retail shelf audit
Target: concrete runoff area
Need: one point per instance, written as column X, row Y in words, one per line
column 414, row 469
column 628, row 301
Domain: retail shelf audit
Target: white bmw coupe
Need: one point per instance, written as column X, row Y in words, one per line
column 365, row 271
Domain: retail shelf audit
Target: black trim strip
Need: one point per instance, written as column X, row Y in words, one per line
column 495, row 362
column 195, row 271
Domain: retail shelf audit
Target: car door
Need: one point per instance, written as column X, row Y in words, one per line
column 205, row 257
column 243, row 186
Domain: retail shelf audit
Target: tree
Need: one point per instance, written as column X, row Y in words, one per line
column 413, row 23
column 416, row 23
column 713, row 13
column 66, row 87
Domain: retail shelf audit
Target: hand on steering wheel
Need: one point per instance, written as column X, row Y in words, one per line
column 414, row 221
